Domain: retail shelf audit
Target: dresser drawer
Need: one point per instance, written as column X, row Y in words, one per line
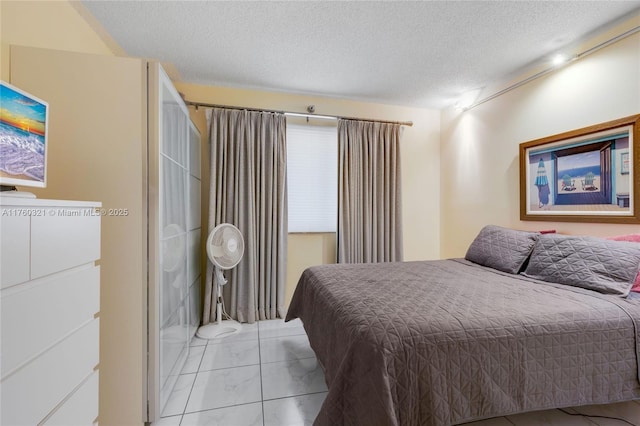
column 14, row 248
column 81, row 408
column 31, row 393
column 68, row 238
column 38, row 314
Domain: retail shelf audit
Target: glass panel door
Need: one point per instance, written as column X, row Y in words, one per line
column 171, row 240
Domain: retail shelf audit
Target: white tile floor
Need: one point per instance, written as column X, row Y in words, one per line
column 267, row 375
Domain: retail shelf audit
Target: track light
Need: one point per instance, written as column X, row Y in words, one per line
column 559, row 59
column 467, row 100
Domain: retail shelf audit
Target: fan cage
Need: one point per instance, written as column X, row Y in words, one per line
column 222, row 252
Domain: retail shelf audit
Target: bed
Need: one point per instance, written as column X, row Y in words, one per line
column 450, row 341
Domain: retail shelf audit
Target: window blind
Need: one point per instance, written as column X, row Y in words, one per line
column 312, row 178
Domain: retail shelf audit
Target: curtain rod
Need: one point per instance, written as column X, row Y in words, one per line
column 296, row 114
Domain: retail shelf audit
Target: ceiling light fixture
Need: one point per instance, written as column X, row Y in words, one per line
column 467, row 100
column 559, row 59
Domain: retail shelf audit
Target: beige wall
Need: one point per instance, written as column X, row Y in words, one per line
column 306, row 250
column 479, row 147
column 75, row 118
column 420, row 166
column 90, row 158
column 48, row 24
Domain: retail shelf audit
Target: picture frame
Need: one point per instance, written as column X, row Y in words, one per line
column 585, row 175
column 24, row 140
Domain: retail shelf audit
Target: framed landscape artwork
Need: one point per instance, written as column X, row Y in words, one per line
column 585, row 175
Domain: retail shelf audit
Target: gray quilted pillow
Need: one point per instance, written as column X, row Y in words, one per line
column 588, row 262
column 501, row 248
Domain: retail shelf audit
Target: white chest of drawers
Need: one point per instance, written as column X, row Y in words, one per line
column 49, row 311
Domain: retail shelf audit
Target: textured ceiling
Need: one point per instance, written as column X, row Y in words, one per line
column 422, row 54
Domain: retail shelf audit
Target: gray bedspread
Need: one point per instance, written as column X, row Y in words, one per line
column 445, row 342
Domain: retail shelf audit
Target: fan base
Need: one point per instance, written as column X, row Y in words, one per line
column 219, row 330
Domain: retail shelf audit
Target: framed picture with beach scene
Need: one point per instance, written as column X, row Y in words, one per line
column 585, row 175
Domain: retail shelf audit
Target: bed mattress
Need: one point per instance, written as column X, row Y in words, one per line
column 448, row 341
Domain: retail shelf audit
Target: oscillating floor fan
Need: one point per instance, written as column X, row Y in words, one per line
column 225, row 247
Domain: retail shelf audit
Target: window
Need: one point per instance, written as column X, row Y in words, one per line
column 312, row 178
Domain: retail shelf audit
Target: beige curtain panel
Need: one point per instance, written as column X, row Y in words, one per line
column 369, row 192
column 248, row 190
